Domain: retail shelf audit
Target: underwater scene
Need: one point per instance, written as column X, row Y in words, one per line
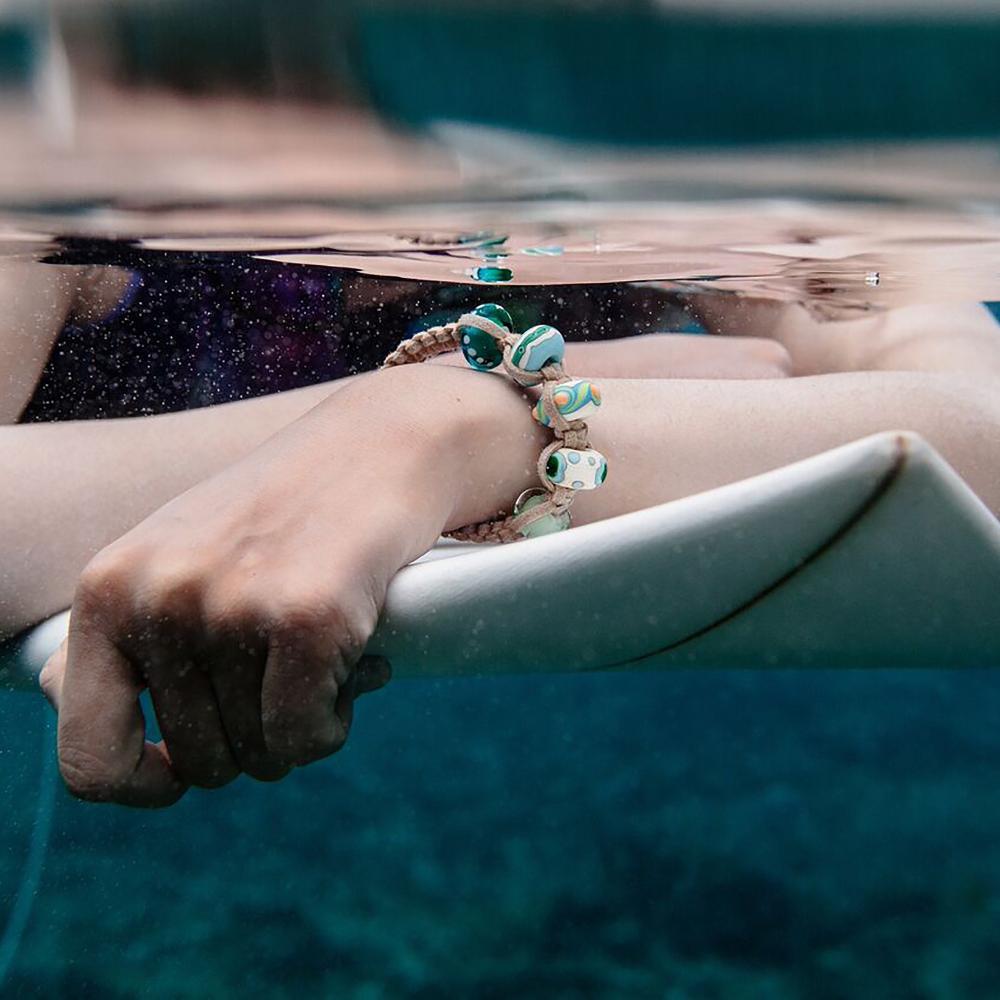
column 686, row 834
column 694, row 834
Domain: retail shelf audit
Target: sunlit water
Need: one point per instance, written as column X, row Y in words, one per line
column 686, row 835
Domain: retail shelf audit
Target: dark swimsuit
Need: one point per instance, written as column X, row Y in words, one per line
column 200, row 329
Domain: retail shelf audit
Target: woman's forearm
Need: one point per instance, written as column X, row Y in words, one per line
column 69, row 489
column 76, row 488
column 669, row 439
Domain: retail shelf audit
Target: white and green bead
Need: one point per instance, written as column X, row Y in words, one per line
column 483, row 350
column 538, row 347
column 547, row 525
column 575, row 399
column 576, row 468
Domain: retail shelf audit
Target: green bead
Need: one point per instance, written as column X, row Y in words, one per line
column 482, row 239
column 499, row 315
column 547, row 525
column 482, row 351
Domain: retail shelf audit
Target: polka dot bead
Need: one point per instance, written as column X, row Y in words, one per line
column 481, row 349
column 576, row 468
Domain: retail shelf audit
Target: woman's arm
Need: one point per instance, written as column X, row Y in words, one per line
column 69, row 489
column 244, row 604
column 670, row 439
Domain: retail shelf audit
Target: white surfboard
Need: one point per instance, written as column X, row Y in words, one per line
column 874, row 554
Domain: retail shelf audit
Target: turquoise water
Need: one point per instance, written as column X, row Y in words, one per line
column 715, row 835
column 702, row 835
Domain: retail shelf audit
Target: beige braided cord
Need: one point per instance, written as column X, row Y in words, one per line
column 573, row 434
column 424, row 345
column 487, row 531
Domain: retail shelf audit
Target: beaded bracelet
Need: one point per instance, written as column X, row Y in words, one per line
column 534, row 358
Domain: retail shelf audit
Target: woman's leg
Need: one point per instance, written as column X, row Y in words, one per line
column 938, row 338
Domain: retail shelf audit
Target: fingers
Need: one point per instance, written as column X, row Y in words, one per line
column 191, row 724
column 305, row 673
column 212, row 716
column 369, row 674
column 239, row 682
column 237, row 687
column 308, row 697
column 343, row 707
column 103, row 753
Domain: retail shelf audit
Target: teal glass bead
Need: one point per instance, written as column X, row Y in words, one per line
column 547, row 525
column 482, row 351
column 497, row 314
column 538, row 347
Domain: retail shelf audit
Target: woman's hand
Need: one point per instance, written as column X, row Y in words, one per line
column 245, row 604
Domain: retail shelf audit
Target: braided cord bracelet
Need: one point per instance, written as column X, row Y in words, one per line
column 568, row 464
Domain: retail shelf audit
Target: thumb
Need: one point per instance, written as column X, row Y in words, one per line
column 51, row 678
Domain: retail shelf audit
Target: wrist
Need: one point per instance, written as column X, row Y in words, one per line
column 472, row 435
column 493, row 446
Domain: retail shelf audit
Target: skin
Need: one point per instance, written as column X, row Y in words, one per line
column 37, row 302
column 244, row 608
column 259, row 681
column 158, row 458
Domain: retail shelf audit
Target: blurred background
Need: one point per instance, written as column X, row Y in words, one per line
column 416, row 92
